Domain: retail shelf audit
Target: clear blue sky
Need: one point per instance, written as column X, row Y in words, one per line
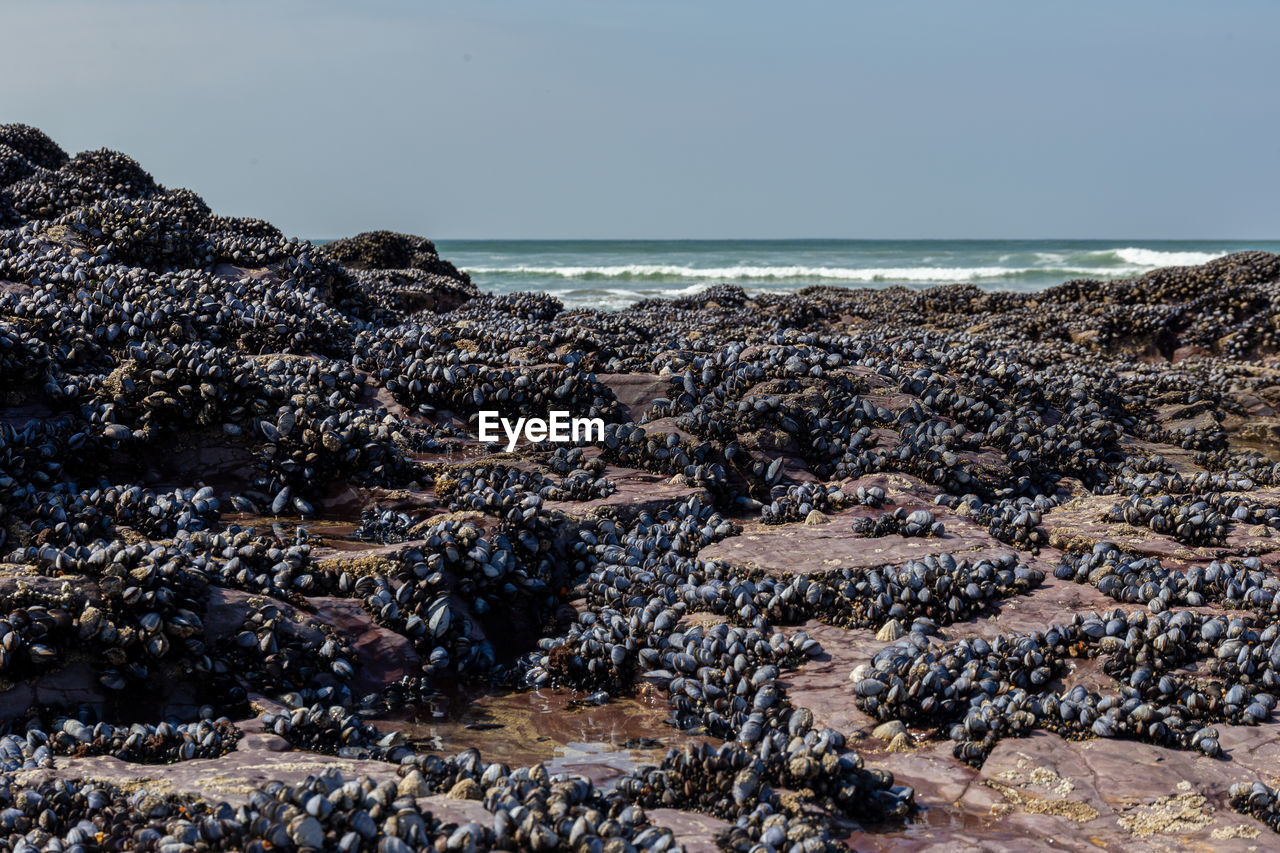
column 677, row 118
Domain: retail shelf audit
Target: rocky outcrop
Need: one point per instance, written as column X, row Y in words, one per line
column 887, row 569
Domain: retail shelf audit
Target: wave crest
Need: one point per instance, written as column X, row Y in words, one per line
column 668, row 272
column 1154, row 258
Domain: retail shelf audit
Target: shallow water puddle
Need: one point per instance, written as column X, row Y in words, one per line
column 933, row 825
column 602, row 742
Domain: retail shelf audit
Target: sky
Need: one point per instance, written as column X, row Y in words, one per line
column 1153, row 119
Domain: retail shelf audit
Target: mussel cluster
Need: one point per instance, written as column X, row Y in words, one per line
column 1192, row 519
column 335, row 730
column 496, row 489
column 796, row 502
column 666, row 453
column 919, row 522
column 383, row 525
column 323, row 813
column 1015, row 521
column 532, row 809
column 1236, row 585
column 458, row 593
column 272, row 653
column 734, row 781
column 938, row 588
column 980, row 691
column 143, row 743
column 1257, row 799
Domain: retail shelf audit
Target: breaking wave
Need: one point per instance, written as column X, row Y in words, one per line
column 669, row 272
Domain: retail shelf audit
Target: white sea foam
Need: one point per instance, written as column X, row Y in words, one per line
column 778, row 273
column 1153, row 258
column 612, row 298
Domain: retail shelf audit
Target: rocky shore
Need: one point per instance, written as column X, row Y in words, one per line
column 849, row 569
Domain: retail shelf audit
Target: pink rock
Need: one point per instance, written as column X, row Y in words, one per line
column 1189, row 351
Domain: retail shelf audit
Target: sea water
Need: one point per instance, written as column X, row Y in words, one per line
column 611, row 274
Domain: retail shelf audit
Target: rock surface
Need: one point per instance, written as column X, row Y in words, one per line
column 241, row 488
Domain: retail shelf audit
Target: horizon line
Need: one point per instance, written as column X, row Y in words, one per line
column 821, row 239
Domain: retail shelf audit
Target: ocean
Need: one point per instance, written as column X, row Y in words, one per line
column 611, row 274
